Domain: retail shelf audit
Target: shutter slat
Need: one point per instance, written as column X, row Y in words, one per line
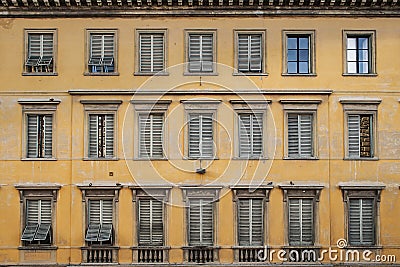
column 301, row 222
column 48, row 136
column 109, row 139
column 293, row 135
column 33, row 136
column 353, row 127
column 306, row 149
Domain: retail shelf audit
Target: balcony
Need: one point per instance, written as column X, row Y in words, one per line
column 250, row 254
column 201, row 254
column 150, row 254
column 302, row 254
column 100, row 254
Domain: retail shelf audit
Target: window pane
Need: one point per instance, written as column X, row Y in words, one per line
column 303, row 43
column 363, row 67
column 303, row 55
column 363, row 43
column 351, row 55
column 363, row 55
column 292, row 67
column 292, row 55
column 292, row 43
column 352, row 67
column 351, row 43
column 303, row 67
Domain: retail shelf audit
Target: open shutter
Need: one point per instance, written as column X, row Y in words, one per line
column 93, row 136
column 250, row 222
column 301, row 221
column 96, row 52
column 151, row 52
column 306, row 147
column 45, row 220
column 38, row 220
column 34, row 50
column 353, row 126
column 33, row 136
column 106, row 219
column 108, row 53
column 48, row 136
column 109, row 138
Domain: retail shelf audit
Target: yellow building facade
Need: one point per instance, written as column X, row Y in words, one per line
column 200, row 133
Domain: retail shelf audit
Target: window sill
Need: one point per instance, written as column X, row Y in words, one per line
column 250, row 158
column 250, row 74
column 38, row 159
column 193, row 158
column 101, row 74
column 150, row 159
column 200, row 74
column 299, row 158
column 40, row 74
column 38, row 247
column 360, row 74
column 363, row 247
column 300, row 74
column 361, row 159
column 151, row 74
column 301, row 247
column 100, row 159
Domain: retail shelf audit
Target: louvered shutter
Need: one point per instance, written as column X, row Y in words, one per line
column 151, row 222
column 38, row 220
column 100, row 220
column 250, row 135
column 108, row 53
column 93, row 136
column 34, row 45
column 109, row 137
column 250, row 216
column 151, row 135
column 33, row 136
column 250, row 52
column 151, row 51
column 48, row 136
column 47, row 46
column 96, row 48
column 201, row 141
column 201, row 53
column 361, row 221
column 353, row 126
column 300, row 135
column 201, row 222
column 301, row 226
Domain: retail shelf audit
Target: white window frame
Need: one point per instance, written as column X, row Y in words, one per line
column 139, row 32
column 149, row 107
column 300, row 106
column 263, row 34
column 371, row 34
column 89, row 33
column 312, row 60
column 362, row 190
column 212, row 32
column 100, row 107
column 201, row 107
column 38, row 107
column 361, row 106
column 39, row 192
column 53, row 32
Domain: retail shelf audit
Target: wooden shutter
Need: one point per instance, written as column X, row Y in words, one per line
column 353, row 126
column 101, row 135
column 96, row 47
column 47, row 45
column 48, row 136
column 361, row 221
column 151, row 231
column 34, row 45
column 100, row 213
column 300, row 135
column 38, row 220
column 33, row 136
column 201, row 141
column 201, row 222
column 40, row 139
column 151, row 52
column 93, row 136
column 301, row 221
column 151, row 135
column 250, row 52
column 109, row 137
column 250, row 135
column 250, row 216
column 201, row 53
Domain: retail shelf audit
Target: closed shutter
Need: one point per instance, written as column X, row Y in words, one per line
column 250, row 216
column 353, row 126
column 151, row 51
column 301, row 222
column 109, row 138
column 151, row 135
column 100, row 213
column 300, row 135
column 250, row 52
column 34, row 47
column 201, row 220
column 101, row 136
column 250, row 135
column 38, row 220
column 201, row 141
column 40, row 139
column 93, row 136
column 201, row 56
column 151, row 222
column 361, row 221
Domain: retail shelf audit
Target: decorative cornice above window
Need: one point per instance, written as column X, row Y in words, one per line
column 358, row 104
column 201, row 191
column 300, row 104
column 201, row 104
column 104, row 105
column 361, row 189
column 151, row 105
column 160, row 192
column 100, row 191
column 301, row 190
column 39, row 104
column 38, row 190
column 250, row 191
column 250, row 104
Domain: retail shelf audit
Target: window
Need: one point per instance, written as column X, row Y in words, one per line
column 151, row 51
column 39, row 124
column 201, row 136
column 250, row 135
column 359, row 54
column 102, row 52
column 38, row 212
column 299, row 52
column 149, row 139
column 150, row 207
column 250, row 52
column 301, row 217
column 300, row 135
column 201, row 223
column 362, row 212
column 300, row 116
column 101, row 129
column 250, row 216
column 40, row 51
column 200, row 52
column 100, row 203
column 360, row 127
